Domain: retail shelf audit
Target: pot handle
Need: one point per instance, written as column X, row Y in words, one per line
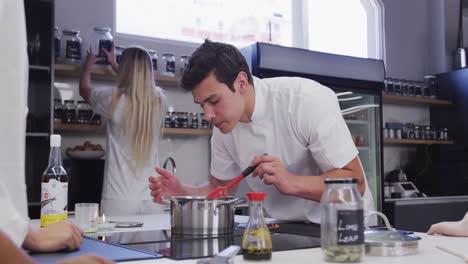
column 240, row 201
column 166, row 198
column 230, row 201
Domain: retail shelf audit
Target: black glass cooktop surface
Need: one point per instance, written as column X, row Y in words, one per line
column 284, row 237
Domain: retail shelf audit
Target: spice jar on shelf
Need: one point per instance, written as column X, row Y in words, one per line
column 184, row 59
column 168, row 60
column 154, row 59
column 83, row 113
column 193, row 120
column 342, row 221
column 204, row 123
column 57, row 40
column 58, row 110
column 69, row 114
column 183, row 120
column 71, row 46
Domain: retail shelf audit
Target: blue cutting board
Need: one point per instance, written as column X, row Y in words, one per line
column 97, row 247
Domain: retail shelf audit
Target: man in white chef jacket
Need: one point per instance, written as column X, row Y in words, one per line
column 14, row 227
column 296, row 121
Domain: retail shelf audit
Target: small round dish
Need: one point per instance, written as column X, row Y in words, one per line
column 86, row 154
column 390, row 243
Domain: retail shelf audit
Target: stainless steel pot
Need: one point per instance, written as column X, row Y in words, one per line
column 198, row 216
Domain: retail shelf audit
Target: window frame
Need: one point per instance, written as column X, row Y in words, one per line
column 300, row 30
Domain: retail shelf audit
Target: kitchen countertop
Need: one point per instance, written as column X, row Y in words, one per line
column 428, row 254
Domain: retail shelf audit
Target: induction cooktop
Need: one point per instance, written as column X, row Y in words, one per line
column 284, row 237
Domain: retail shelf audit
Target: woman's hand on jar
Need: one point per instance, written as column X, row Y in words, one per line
column 165, row 184
column 272, row 171
column 91, row 58
column 111, row 57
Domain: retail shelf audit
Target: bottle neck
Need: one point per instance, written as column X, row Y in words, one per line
column 55, row 157
column 256, row 209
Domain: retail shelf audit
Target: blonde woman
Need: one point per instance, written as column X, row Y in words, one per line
column 134, row 110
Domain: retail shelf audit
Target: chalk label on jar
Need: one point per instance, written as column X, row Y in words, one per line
column 350, row 226
column 170, row 66
column 73, row 50
column 106, row 44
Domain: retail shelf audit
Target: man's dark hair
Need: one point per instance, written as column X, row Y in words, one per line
column 224, row 60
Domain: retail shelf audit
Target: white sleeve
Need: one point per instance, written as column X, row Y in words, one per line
column 11, row 222
column 101, row 100
column 322, row 126
column 223, row 166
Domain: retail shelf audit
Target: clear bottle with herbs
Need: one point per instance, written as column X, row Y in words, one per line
column 342, row 221
column 256, row 242
column 54, row 187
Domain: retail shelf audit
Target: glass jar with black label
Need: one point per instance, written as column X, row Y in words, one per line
column 58, row 110
column 183, row 119
column 204, row 123
column 118, row 53
column 342, row 221
column 154, row 59
column 69, row 114
column 168, row 60
column 175, row 120
column 71, row 46
column 83, row 113
column 184, row 59
column 193, row 120
column 57, row 39
column 167, row 119
column 101, row 38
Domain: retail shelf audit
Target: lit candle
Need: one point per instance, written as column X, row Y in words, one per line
column 102, row 225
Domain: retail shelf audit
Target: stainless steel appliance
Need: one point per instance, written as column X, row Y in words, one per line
column 358, row 83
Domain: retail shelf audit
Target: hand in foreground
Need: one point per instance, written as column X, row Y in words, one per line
column 272, row 171
column 89, row 259
column 111, row 57
column 459, row 229
column 165, row 184
column 54, row 237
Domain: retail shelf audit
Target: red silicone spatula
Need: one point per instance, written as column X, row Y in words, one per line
column 221, row 191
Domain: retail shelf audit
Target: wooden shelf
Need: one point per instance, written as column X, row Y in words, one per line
column 71, row 128
column 416, row 141
column 412, row 100
column 106, row 73
column 86, row 128
column 187, row 132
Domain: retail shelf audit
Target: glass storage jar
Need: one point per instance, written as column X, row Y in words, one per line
column 183, row 120
column 84, row 112
column 69, row 114
column 58, row 110
column 57, row 39
column 154, row 59
column 167, row 119
column 184, row 59
column 118, row 53
column 342, row 221
column 204, row 123
column 101, row 38
column 431, row 83
column 194, row 120
column 168, row 60
column 71, row 46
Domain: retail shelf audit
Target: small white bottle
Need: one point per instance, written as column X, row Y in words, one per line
column 54, row 187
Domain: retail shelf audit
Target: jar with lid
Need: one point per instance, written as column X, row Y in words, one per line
column 388, row 82
column 96, row 120
column 71, row 46
column 168, row 60
column 84, row 112
column 431, row 83
column 154, row 59
column 446, row 137
column 204, row 123
column 101, row 38
column 417, row 89
column 167, row 119
column 118, row 53
column 69, row 114
column 58, row 110
column 427, row 133
column 417, row 132
column 397, row 87
column 57, row 38
column 175, row 120
column 183, row 120
column 184, row 59
column 193, row 120
column 342, row 221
